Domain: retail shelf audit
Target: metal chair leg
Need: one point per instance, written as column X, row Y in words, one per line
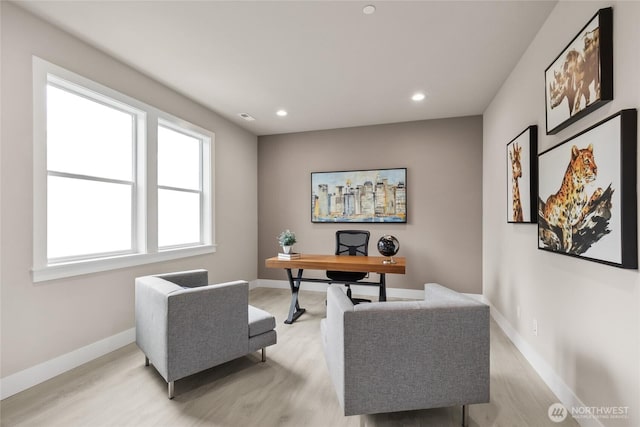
column 170, row 389
column 264, row 354
column 465, row 416
column 146, row 361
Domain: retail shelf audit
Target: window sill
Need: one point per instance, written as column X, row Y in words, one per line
column 58, row 271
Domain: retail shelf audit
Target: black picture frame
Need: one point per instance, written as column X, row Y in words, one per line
column 522, row 177
column 580, row 78
column 359, row 196
column 603, row 225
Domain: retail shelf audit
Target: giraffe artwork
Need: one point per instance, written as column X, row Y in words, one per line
column 516, row 173
column 522, row 177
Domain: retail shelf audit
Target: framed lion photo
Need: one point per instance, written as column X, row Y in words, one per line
column 580, row 79
column 587, row 194
column 522, row 176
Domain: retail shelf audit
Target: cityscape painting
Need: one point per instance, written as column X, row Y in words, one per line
column 377, row 195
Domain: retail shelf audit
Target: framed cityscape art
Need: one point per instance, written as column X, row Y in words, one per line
column 376, row 195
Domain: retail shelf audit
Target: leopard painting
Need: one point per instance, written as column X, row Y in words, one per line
column 570, row 204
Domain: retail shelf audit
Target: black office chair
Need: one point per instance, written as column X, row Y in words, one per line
column 354, row 243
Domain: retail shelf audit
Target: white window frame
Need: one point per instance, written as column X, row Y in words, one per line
column 138, row 136
column 145, row 223
column 206, row 140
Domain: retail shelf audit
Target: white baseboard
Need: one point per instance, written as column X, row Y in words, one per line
column 564, row 393
column 23, row 380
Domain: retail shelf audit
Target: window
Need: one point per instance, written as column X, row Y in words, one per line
column 117, row 183
column 180, row 194
column 90, row 176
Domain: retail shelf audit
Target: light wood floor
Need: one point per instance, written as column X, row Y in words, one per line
column 291, row 389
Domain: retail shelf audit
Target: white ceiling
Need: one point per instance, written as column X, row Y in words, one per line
column 325, row 62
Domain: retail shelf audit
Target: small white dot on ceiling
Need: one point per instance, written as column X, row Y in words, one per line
column 369, row 9
column 418, row 96
column 282, row 113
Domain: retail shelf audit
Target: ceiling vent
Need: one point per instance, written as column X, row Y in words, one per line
column 247, row 117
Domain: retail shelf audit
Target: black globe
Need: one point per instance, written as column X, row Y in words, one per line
column 388, row 245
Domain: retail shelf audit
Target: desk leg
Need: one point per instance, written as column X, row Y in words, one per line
column 383, row 288
column 294, row 309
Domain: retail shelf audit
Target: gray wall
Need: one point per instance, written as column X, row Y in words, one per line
column 45, row 320
column 442, row 239
column 587, row 313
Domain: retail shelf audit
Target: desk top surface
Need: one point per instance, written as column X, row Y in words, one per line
column 365, row 264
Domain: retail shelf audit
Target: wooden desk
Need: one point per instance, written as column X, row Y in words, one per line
column 363, row 264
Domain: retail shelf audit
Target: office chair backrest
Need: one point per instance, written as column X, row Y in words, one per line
column 352, row 242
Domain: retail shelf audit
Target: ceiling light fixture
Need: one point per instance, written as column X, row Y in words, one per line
column 247, row 117
column 418, row 96
column 281, row 113
column 369, row 9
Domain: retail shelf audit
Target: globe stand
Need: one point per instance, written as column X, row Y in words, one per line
column 389, row 261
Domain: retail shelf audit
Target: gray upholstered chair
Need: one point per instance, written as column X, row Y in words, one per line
column 184, row 325
column 407, row 355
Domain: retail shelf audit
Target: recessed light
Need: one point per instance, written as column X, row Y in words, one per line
column 418, row 96
column 247, row 117
column 369, row 9
column 281, row 113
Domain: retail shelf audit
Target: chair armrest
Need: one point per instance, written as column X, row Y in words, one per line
column 337, row 305
column 151, row 297
column 438, row 295
column 187, row 279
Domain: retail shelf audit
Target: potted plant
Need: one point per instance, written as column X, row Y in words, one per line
column 286, row 239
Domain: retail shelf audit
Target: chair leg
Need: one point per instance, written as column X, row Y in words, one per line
column 264, row 354
column 170, row 388
column 465, row 415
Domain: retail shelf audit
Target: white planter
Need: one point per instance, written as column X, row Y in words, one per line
column 287, row 249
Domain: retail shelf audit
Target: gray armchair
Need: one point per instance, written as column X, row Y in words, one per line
column 406, row 355
column 184, row 325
